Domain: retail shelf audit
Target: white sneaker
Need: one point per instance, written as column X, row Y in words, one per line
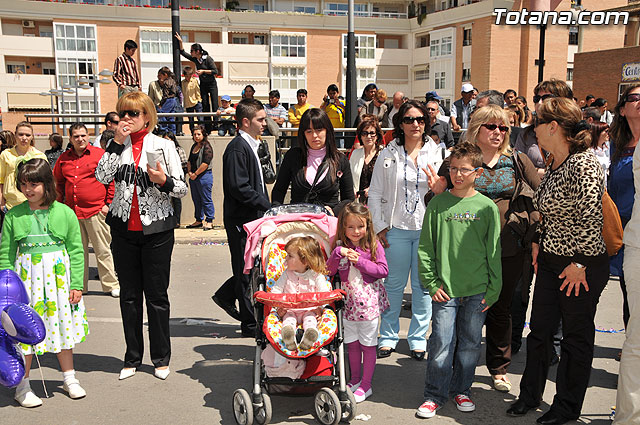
column 28, row 399
column 464, row 403
column 115, row 293
column 74, row 389
column 360, row 395
column 162, row 373
column 427, row 409
column 127, row 372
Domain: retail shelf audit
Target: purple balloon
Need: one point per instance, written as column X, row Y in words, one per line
column 22, row 324
column 12, row 289
column 11, row 363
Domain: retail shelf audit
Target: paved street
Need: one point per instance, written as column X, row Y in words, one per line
column 210, row 360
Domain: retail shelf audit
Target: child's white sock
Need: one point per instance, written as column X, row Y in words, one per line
column 23, row 386
column 69, row 376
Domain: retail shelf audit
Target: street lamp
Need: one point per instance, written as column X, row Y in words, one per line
column 92, row 80
column 56, row 93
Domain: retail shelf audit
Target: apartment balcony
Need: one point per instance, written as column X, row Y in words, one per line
column 364, row 14
column 21, row 91
column 16, row 45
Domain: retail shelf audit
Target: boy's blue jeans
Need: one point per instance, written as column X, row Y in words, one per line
column 454, row 347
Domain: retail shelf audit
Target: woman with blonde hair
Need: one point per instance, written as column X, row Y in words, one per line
column 570, row 259
column 142, row 222
column 506, row 176
column 363, row 159
column 10, row 195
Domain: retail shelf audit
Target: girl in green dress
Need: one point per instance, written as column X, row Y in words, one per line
column 41, row 241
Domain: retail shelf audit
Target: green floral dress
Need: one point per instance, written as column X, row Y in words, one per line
column 43, row 266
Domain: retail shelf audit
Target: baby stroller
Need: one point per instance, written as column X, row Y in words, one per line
column 319, row 370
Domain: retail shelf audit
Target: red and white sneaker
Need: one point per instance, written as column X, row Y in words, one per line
column 427, row 409
column 464, row 403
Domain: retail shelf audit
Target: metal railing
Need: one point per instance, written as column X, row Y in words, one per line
column 367, row 14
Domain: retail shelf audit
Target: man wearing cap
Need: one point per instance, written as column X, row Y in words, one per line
column 440, row 127
column 443, row 111
column 462, row 108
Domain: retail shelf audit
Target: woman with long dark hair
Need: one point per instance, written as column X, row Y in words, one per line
column 624, row 176
column 396, row 201
column 207, row 71
column 200, row 177
column 316, row 171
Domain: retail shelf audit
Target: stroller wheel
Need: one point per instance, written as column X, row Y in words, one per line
column 242, row 408
column 262, row 415
column 327, row 407
column 348, row 403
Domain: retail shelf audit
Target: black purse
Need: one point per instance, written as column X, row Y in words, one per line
column 268, row 173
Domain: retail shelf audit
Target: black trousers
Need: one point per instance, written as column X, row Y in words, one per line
column 177, row 207
column 143, row 264
column 498, row 321
column 237, row 286
column 577, row 313
column 209, row 93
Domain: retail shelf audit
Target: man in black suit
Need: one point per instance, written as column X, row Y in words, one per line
column 245, row 199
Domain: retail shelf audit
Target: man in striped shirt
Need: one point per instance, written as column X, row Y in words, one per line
column 125, row 70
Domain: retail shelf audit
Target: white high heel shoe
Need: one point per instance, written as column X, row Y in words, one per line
column 127, row 372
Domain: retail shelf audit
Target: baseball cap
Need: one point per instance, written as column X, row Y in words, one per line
column 226, row 97
column 466, row 88
column 432, row 95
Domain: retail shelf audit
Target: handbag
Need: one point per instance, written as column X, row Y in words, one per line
column 611, row 225
column 522, row 217
column 268, row 173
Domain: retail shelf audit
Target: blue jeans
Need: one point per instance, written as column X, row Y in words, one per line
column 402, row 258
column 167, row 123
column 226, row 127
column 454, row 347
column 201, row 196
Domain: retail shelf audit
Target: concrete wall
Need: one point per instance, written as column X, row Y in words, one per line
column 219, row 144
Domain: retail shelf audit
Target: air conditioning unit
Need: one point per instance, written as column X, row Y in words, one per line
column 28, row 24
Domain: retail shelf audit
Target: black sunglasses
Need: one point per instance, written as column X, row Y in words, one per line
column 132, row 114
column 411, row 120
column 632, row 97
column 539, row 121
column 368, row 133
column 491, row 127
column 537, row 98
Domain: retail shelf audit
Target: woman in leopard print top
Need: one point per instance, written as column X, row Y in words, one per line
column 570, row 260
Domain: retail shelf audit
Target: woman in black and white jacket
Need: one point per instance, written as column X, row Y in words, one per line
column 142, row 222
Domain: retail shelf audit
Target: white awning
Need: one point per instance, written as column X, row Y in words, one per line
column 28, row 101
column 248, row 70
column 249, row 30
column 392, row 72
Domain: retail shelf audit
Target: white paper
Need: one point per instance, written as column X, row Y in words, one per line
column 153, row 157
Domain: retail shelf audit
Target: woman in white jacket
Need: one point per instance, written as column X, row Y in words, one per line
column 396, row 201
column 363, row 159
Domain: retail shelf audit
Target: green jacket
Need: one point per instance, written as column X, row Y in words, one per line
column 63, row 224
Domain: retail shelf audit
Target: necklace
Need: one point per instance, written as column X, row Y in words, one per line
column 42, row 226
column 416, row 196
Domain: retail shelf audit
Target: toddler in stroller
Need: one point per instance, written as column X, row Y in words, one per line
column 292, row 243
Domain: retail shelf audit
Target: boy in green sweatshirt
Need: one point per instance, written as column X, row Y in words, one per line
column 459, row 264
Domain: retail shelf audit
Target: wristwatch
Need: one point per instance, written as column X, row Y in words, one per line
column 578, row 265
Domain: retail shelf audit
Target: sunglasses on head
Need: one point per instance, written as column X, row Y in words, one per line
column 411, row 120
column 632, row 97
column 132, row 114
column 537, row 98
column 491, row 127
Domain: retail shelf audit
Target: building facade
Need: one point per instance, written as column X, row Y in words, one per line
column 285, row 45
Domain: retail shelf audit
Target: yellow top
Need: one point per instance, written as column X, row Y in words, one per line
column 8, row 165
column 191, row 92
column 295, row 113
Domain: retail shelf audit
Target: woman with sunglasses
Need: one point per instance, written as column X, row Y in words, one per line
column 506, row 176
column 363, row 159
column 571, row 263
column 207, row 72
column 396, row 201
column 315, row 170
column 526, row 141
column 142, row 223
column 624, row 172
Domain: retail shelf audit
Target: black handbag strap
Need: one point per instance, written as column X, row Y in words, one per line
column 319, row 172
